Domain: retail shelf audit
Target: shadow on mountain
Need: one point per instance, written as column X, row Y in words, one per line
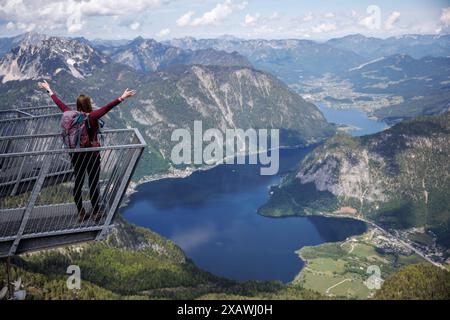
column 337, row 229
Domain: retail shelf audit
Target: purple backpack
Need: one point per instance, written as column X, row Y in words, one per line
column 75, row 126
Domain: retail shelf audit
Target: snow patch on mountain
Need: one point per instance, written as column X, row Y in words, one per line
column 39, row 56
column 366, row 64
column 73, row 70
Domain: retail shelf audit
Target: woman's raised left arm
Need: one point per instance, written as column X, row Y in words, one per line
column 97, row 114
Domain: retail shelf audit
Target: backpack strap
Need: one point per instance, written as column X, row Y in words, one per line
column 78, row 137
column 89, row 128
column 78, row 140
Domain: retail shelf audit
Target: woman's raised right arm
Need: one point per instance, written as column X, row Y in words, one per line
column 97, row 114
column 59, row 103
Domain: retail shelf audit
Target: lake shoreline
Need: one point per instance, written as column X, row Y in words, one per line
column 184, row 173
column 292, row 268
column 309, row 235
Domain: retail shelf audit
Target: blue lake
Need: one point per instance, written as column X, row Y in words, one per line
column 212, row 215
column 353, row 117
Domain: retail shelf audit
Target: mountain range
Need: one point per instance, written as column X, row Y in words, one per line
column 414, row 68
column 149, row 55
column 419, row 83
column 423, row 85
column 402, row 75
column 414, row 45
column 40, row 56
column 229, row 94
column 398, row 178
column 291, row 60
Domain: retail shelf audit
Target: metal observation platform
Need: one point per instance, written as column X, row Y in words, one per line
column 37, row 180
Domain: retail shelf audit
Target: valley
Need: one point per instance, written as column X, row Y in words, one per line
column 352, row 177
column 340, row 94
column 341, row 269
column 359, row 185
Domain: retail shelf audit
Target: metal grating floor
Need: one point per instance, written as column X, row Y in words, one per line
column 45, row 220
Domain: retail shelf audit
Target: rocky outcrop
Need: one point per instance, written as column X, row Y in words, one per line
column 399, row 177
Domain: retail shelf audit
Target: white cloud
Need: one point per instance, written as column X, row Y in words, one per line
column 264, row 30
column 163, row 32
column 71, row 14
column 366, row 21
column 251, row 21
column 75, row 27
column 274, row 16
column 445, row 17
column 135, row 25
column 112, row 7
column 20, row 26
column 373, row 20
column 185, row 19
column 10, row 25
column 391, row 20
column 218, row 14
column 323, row 27
column 308, row 17
column 329, row 15
column 74, row 22
column 258, row 20
column 242, row 5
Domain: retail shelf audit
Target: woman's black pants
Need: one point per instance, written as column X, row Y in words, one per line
column 86, row 163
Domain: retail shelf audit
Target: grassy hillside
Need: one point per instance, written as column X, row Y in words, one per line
column 416, row 282
column 134, row 263
column 342, row 269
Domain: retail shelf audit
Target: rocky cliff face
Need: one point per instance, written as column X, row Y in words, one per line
column 39, row 56
column 346, row 173
column 222, row 97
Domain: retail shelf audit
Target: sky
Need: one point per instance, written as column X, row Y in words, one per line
column 268, row 19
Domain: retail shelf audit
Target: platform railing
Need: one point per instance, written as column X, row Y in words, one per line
column 31, row 111
column 41, row 190
column 30, row 125
column 13, row 114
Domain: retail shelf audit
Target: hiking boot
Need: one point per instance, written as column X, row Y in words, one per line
column 82, row 216
column 97, row 215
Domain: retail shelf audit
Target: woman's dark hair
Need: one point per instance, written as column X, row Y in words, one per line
column 84, row 103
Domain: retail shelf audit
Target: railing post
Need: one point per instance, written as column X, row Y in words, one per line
column 19, row 175
column 33, row 197
column 120, row 192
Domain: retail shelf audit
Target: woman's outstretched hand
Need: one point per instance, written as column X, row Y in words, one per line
column 127, row 93
column 46, row 86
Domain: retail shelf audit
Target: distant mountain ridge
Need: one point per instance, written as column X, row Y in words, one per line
column 423, row 84
column 149, row 55
column 6, row 44
column 415, row 45
column 141, row 54
column 40, row 56
column 290, row 59
column 401, row 74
